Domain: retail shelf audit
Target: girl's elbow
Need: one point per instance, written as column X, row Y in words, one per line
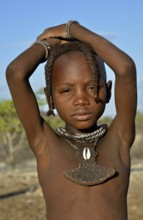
column 9, row 72
column 13, row 73
column 128, row 69
column 130, row 66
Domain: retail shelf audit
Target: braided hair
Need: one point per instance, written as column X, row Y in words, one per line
column 92, row 59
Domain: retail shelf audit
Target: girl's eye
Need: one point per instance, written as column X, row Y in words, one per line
column 90, row 88
column 65, row 90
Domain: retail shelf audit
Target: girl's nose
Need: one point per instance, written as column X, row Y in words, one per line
column 81, row 98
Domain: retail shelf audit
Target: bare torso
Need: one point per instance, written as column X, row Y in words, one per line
column 68, row 200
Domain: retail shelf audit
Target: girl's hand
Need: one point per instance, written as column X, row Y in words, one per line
column 53, row 32
column 54, row 41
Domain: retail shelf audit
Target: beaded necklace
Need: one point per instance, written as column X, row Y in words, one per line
column 88, row 172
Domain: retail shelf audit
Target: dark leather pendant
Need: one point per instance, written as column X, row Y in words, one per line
column 88, row 172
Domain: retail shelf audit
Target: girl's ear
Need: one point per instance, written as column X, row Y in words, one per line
column 108, row 90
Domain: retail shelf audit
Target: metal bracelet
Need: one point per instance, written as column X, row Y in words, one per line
column 46, row 46
column 67, row 29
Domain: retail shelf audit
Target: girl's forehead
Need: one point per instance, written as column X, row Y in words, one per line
column 71, row 67
column 76, row 59
column 71, row 60
column 70, row 55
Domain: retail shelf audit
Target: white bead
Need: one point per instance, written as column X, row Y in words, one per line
column 86, row 153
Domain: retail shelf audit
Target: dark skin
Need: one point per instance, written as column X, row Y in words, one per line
column 72, row 88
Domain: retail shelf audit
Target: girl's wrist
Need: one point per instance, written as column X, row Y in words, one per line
column 45, row 45
column 68, row 34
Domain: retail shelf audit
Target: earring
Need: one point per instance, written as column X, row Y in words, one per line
column 51, row 106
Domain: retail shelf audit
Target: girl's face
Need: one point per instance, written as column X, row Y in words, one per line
column 73, row 94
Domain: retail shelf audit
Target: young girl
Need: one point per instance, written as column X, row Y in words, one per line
column 84, row 168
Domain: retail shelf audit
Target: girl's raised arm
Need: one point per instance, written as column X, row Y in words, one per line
column 18, row 73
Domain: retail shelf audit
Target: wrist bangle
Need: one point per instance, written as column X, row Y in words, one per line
column 67, row 29
column 46, row 45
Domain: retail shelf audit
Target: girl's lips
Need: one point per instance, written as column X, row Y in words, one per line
column 82, row 117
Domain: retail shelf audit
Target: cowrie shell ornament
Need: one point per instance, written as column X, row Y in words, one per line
column 86, row 153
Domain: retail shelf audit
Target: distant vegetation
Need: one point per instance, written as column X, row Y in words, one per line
column 139, row 117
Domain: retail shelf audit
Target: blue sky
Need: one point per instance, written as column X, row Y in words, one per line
column 118, row 20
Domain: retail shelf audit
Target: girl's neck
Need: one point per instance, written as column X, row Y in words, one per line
column 74, row 130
